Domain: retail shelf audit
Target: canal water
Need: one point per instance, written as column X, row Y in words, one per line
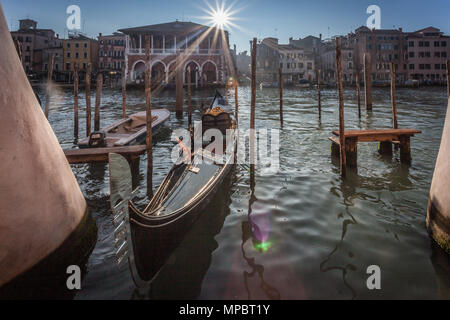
column 320, row 233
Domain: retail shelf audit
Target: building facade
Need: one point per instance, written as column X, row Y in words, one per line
column 203, row 49
column 32, row 41
column 428, row 51
column 385, row 46
column 296, row 64
column 329, row 64
column 267, row 61
column 111, row 52
column 81, row 50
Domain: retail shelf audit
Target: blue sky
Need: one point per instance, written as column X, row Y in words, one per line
column 260, row 18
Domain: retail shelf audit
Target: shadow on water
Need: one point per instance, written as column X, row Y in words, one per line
column 182, row 276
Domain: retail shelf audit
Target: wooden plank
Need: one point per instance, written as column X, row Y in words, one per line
column 335, row 140
column 396, row 132
column 90, row 155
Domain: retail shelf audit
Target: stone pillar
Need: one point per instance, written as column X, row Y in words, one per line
column 438, row 217
column 41, row 204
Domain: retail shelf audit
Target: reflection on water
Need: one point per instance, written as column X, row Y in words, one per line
column 322, row 232
column 258, row 231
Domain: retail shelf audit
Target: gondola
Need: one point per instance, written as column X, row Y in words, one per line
column 148, row 238
column 126, row 132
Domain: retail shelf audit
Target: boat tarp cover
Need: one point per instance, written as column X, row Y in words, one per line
column 189, row 186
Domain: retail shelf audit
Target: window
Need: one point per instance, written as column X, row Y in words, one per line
column 427, row 43
column 444, row 54
column 85, row 44
column 437, row 54
column 428, row 66
column 76, row 55
column 27, row 59
column 68, row 66
column 85, row 55
column 56, row 67
column 68, row 45
column 427, row 54
column 421, row 66
column 68, row 54
column 420, row 43
column 443, row 44
column 411, row 54
column 421, row 54
column 443, row 67
column 411, row 44
column 436, row 43
column 77, row 45
column 350, row 65
column 84, row 65
column 437, row 66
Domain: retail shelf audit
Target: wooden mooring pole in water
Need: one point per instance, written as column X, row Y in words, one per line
column 252, row 116
column 189, row 99
column 75, row 101
column 281, row 95
column 448, row 78
column 236, row 100
column 358, row 93
column 98, row 101
column 319, row 95
column 49, row 84
column 368, row 81
column 88, row 100
column 393, row 97
column 148, row 109
column 343, row 158
column 179, row 87
column 124, row 92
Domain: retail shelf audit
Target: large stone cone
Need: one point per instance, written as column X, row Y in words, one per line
column 438, row 218
column 40, row 201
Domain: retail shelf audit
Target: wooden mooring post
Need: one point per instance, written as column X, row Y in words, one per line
column 343, row 158
column 98, row 101
column 75, row 101
column 148, row 140
column 88, row 100
column 368, row 81
column 49, row 84
column 448, row 78
column 252, row 116
column 281, row 96
column 189, row 99
column 319, row 95
column 236, row 100
column 393, row 97
column 179, row 87
column 358, row 93
column 124, row 92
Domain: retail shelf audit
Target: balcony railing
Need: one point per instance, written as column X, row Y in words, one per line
column 133, row 51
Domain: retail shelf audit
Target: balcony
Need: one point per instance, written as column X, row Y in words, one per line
column 169, row 52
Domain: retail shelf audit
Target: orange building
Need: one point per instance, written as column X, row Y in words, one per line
column 81, row 50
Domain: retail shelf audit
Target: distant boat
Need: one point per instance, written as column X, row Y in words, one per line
column 153, row 234
column 303, row 83
column 126, row 132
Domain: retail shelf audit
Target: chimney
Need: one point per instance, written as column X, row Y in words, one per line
column 100, row 35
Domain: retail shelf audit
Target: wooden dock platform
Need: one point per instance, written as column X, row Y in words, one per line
column 386, row 138
column 100, row 155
